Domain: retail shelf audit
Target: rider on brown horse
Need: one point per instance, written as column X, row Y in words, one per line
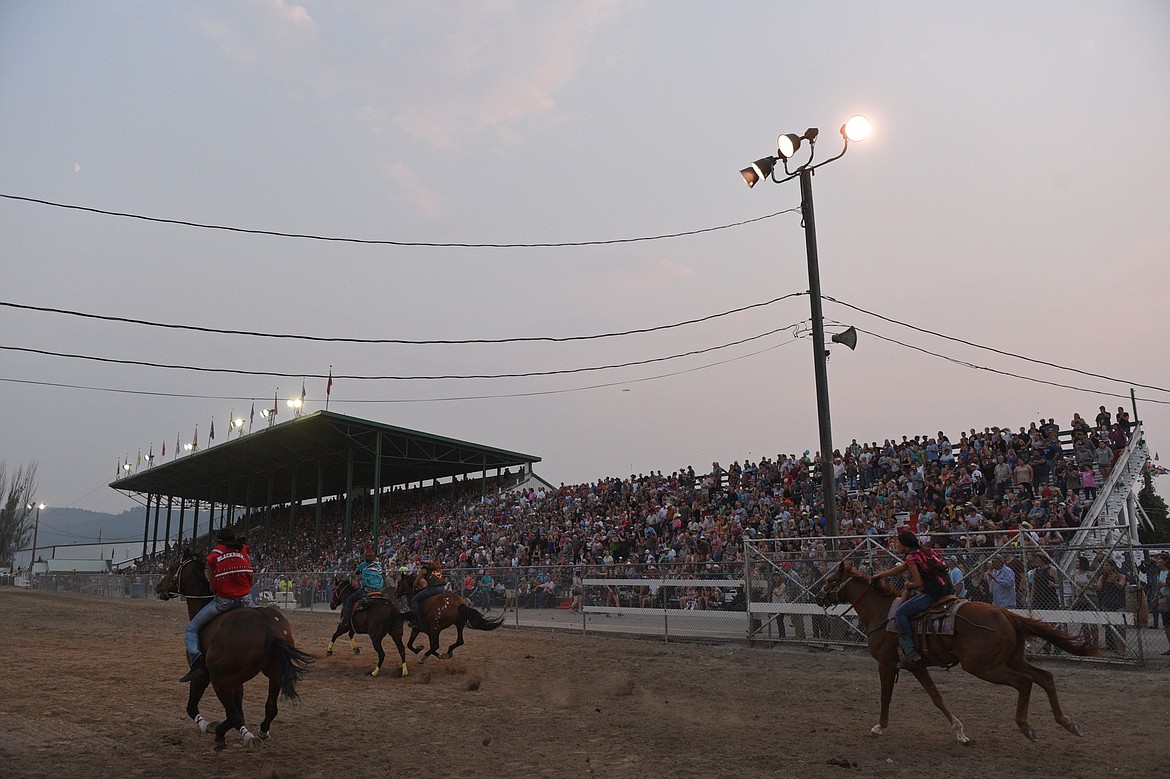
column 928, row 575
column 432, row 582
column 229, row 572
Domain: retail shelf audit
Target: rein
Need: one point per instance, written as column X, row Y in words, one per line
column 178, row 576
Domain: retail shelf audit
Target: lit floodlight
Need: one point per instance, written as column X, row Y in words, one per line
column 856, row 129
column 787, row 144
column 265, row 413
column 239, row 421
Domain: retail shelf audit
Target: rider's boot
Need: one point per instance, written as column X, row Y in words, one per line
column 197, row 671
column 910, row 656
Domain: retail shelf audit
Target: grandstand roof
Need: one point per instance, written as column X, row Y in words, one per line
column 289, row 457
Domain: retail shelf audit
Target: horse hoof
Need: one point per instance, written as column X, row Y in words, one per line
column 375, row 672
column 876, row 730
column 1031, row 734
column 251, row 742
column 1075, row 729
column 263, row 735
column 220, row 746
column 329, row 653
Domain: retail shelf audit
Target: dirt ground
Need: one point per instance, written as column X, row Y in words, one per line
column 88, row 689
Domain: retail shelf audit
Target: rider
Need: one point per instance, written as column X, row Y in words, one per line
column 430, row 578
column 370, row 580
column 229, row 572
column 927, row 574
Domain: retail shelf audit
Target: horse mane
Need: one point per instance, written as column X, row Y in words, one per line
column 878, row 584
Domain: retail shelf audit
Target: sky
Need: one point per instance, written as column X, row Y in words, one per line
column 1011, row 195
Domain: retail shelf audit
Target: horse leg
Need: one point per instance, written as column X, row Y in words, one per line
column 193, row 697
column 434, row 650
column 458, row 640
column 249, row 739
column 376, row 640
column 273, row 674
column 336, row 634
column 1045, row 680
column 228, row 698
column 1001, row 674
column 887, row 672
column 353, row 647
column 396, row 634
column 410, row 641
column 924, row 678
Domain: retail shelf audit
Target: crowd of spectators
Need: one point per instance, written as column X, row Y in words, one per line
column 960, row 493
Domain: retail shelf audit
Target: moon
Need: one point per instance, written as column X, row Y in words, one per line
column 76, row 168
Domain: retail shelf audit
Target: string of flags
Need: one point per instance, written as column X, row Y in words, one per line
column 124, row 466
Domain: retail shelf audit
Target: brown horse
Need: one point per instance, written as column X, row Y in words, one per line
column 439, row 612
column 376, row 618
column 237, row 645
column 989, row 642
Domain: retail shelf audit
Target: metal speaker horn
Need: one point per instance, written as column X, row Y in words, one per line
column 848, row 338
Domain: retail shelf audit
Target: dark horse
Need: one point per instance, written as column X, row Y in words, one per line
column 376, row 618
column 439, row 612
column 989, row 642
column 237, row 645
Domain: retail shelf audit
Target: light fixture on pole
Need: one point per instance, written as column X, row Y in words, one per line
column 296, row 404
column 36, row 531
column 787, row 144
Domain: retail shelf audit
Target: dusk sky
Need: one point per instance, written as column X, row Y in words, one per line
column 1012, row 195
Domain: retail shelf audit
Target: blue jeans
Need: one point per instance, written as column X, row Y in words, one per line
column 919, row 603
column 209, row 612
column 422, row 595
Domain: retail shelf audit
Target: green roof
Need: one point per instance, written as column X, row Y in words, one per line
column 288, row 458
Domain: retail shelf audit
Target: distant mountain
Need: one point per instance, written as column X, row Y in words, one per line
column 81, row 526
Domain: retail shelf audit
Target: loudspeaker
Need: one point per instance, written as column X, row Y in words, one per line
column 848, row 338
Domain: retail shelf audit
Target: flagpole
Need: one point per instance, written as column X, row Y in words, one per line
column 329, row 388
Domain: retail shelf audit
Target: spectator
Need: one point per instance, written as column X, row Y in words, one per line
column 1002, row 580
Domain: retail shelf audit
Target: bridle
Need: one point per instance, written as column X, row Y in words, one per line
column 173, row 591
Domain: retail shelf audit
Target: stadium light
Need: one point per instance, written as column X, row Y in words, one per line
column 787, row 144
column 296, row 404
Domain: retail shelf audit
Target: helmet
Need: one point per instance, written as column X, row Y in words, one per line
column 404, row 569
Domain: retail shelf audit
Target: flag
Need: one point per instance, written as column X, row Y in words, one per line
column 177, row 449
column 195, row 443
column 117, row 468
column 164, row 451
column 252, row 416
column 329, row 386
column 231, row 423
column 150, row 455
column 139, row 463
column 302, row 392
column 211, row 433
column 275, row 405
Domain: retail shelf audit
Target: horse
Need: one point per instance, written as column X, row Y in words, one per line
column 376, row 618
column 237, row 645
column 988, row 642
column 439, row 612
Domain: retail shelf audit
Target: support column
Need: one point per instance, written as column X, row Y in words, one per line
column 348, row 494
column 182, row 517
column 145, row 529
column 320, row 497
column 157, row 509
column 167, row 538
column 377, row 489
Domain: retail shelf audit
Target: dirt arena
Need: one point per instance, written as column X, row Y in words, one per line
column 89, row 689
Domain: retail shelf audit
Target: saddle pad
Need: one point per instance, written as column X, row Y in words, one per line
column 938, row 620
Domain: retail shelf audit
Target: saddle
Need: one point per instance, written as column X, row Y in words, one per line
column 938, row 620
column 374, row 595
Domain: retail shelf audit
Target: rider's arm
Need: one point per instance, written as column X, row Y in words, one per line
column 897, row 569
column 210, row 571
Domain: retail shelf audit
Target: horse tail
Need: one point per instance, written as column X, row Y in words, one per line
column 293, row 664
column 477, row 620
column 1081, row 646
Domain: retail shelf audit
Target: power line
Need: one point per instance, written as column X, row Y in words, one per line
column 402, row 341
column 994, row 350
column 337, row 377
column 383, row 242
column 408, row 400
column 973, row 366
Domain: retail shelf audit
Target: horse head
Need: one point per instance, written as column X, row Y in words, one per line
column 185, row 576
column 833, row 590
column 405, row 584
column 342, row 587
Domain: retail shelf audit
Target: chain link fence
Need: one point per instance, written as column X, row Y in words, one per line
column 1103, row 590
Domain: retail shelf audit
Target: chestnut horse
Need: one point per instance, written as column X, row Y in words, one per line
column 376, row 618
column 439, row 612
column 989, row 642
column 237, row 645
